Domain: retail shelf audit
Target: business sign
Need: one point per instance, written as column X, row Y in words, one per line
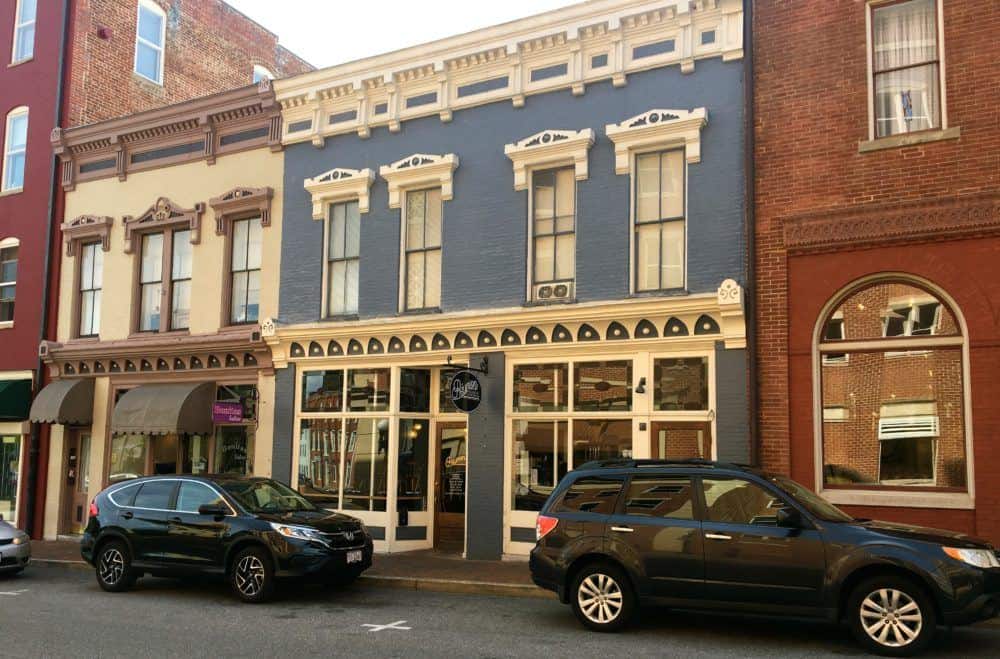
column 466, row 393
column 227, row 412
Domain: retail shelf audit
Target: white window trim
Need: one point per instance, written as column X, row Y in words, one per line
column 5, row 243
column 417, row 171
column 161, row 47
column 20, row 24
column 20, row 111
column 549, row 149
column 894, row 498
column 337, row 185
column 870, row 50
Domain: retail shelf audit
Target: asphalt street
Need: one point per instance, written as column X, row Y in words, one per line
column 60, row 612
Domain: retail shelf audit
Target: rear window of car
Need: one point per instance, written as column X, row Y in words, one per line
column 591, row 494
column 155, row 494
column 123, row 496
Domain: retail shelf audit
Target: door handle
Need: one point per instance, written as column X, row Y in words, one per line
column 622, row 529
column 127, row 514
column 718, row 536
column 176, row 519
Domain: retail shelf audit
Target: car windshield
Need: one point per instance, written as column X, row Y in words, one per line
column 811, row 501
column 265, row 496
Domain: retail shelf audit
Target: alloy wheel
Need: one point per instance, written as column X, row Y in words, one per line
column 112, row 566
column 250, row 576
column 891, row 618
column 600, row 598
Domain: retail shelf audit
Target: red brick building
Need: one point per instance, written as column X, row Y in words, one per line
column 68, row 63
column 877, row 211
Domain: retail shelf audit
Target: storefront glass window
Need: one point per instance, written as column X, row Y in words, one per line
column 680, row 384
column 601, row 440
column 194, row 454
column 368, row 390
column 602, row 386
column 412, row 465
column 539, row 461
column 540, row 387
column 10, row 456
column 323, row 391
column 320, row 443
column 128, row 457
column 234, row 447
column 414, row 390
column 367, row 445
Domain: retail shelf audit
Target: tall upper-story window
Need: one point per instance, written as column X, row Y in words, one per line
column 90, row 284
column 8, row 279
column 150, row 35
column 553, row 243
column 659, row 220
column 24, row 31
column 245, row 271
column 165, row 252
column 906, row 67
column 343, row 258
column 261, row 73
column 180, row 280
column 15, row 145
column 422, row 247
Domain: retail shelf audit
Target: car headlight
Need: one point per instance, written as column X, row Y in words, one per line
column 21, row 540
column 979, row 557
column 297, row 532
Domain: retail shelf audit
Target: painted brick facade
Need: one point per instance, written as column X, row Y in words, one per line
column 829, row 213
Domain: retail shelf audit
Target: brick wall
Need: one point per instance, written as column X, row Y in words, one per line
column 209, row 47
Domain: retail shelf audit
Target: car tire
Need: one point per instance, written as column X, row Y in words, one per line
column 113, row 567
column 602, row 597
column 892, row 616
column 252, row 575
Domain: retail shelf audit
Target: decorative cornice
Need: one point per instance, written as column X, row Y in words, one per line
column 657, row 128
column 242, row 202
column 85, row 227
column 915, row 221
column 339, row 184
column 550, row 148
column 163, row 214
column 576, row 46
column 419, row 170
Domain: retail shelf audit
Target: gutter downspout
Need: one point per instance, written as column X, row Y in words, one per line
column 32, row 507
column 753, row 379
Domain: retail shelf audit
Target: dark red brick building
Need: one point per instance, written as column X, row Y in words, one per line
column 74, row 62
column 877, row 188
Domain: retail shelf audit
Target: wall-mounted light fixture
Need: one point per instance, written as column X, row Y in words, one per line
column 641, row 387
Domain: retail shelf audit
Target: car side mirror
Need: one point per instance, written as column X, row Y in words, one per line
column 789, row 518
column 212, row 510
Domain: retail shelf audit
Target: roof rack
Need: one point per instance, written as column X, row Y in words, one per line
column 629, row 463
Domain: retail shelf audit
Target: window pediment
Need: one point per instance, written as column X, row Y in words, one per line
column 419, row 170
column 549, row 148
column 242, row 202
column 84, row 227
column 339, row 184
column 161, row 215
column 655, row 128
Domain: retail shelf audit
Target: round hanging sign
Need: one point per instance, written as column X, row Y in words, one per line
column 465, row 391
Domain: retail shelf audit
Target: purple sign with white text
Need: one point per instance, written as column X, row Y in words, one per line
column 227, row 412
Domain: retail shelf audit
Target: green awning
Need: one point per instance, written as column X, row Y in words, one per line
column 15, row 399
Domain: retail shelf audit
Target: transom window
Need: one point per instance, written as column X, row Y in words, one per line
column 165, row 252
column 894, row 372
column 90, row 282
column 659, row 220
column 422, row 248
column 8, row 279
column 15, row 146
column 245, row 271
column 24, row 30
column 343, row 251
column 261, row 73
column 149, row 39
column 906, row 67
column 553, row 243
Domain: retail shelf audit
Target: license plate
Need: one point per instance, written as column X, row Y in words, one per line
column 354, row 556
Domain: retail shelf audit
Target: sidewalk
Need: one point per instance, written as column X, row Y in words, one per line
column 418, row 570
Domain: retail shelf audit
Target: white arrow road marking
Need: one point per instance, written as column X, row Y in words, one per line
column 392, row 625
column 15, row 593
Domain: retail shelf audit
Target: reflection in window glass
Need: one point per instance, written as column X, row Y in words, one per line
column 128, row 457
column 191, row 496
column 601, row 439
column 591, row 495
column 414, row 390
column 735, row 501
column 412, row 465
column 660, row 496
column 323, row 391
column 602, row 386
column 10, row 456
column 368, row 390
column 540, row 387
column 539, row 461
column 320, row 443
column 890, row 309
column 680, row 384
column 155, row 495
column 234, row 446
column 367, row 445
column 451, row 465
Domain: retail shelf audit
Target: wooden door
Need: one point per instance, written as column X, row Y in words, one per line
column 449, row 486
column 680, row 440
column 77, row 481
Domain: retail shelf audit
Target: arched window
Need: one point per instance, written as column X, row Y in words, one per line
column 8, row 280
column 892, row 414
column 261, row 73
column 15, row 145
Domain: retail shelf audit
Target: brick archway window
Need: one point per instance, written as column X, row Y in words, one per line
column 892, row 413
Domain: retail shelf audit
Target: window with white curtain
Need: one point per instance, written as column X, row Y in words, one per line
column 343, row 258
column 422, row 242
column 553, row 246
column 15, row 146
column 150, row 34
column 246, row 262
column 905, row 67
column 24, row 30
column 659, row 220
column 91, row 282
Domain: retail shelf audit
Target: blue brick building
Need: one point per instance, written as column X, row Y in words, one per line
column 555, row 205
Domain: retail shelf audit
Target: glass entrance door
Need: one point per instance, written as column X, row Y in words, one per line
column 77, row 482
column 10, row 462
column 679, row 440
column 450, row 481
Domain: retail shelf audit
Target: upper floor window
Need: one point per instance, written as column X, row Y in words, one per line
column 15, row 145
column 553, row 227
column 150, row 35
column 245, row 271
column 422, row 249
column 165, row 252
column 906, row 67
column 343, row 258
column 24, row 30
column 8, row 279
column 659, row 220
column 261, row 73
column 90, row 284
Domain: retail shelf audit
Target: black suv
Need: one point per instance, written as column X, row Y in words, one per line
column 709, row 535
column 252, row 530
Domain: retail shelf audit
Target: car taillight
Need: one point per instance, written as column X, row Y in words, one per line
column 544, row 526
column 93, row 508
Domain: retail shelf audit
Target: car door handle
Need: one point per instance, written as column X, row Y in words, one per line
column 176, row 519
column 718, row 536
column 622, row 529
column 127, row 514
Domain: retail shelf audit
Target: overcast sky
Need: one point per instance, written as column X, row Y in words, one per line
column 328, row 32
